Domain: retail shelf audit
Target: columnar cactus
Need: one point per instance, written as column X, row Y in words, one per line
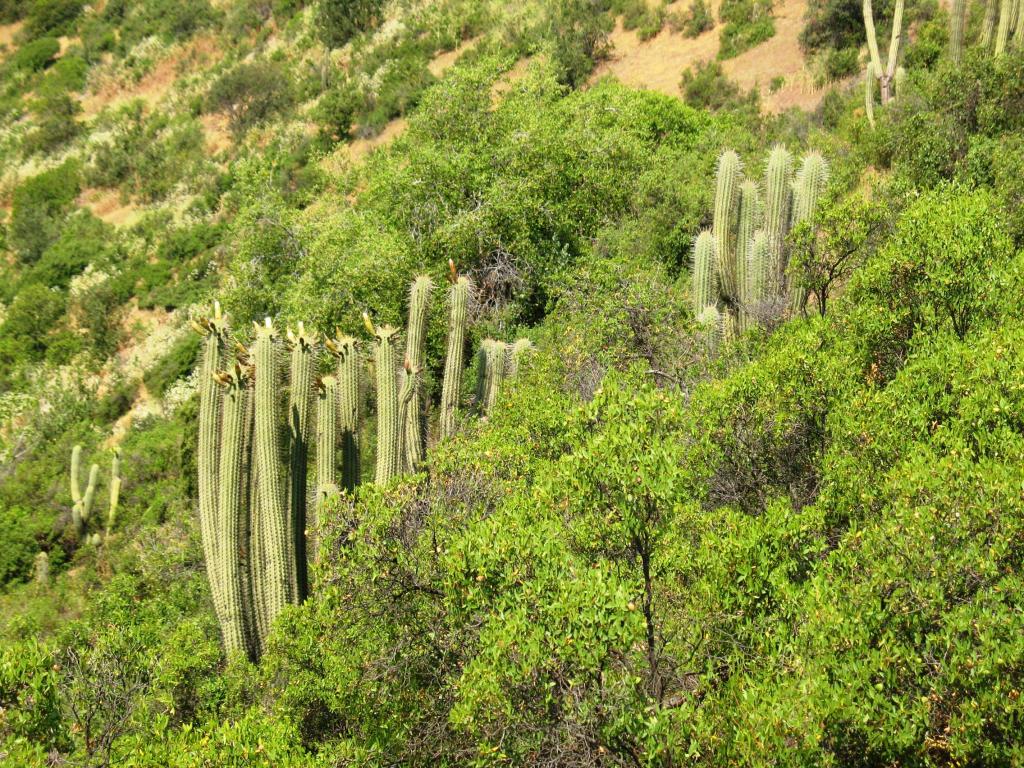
column 759, row 269
column 957, row 19
column 275, row 588
column 870, row 79
column 1003, row 32
column 41, row 568
column 989, row 23
column 491, row 374
column 300, row 416
column 81, row 502
column 115, row 491
column 389, row 453
column 233, row 514
column 728, row 178
column 705, row 277
column 413, row 413
column 778, row 202
column 349, row 417
column 215, row 336
column 749, row 221
column 327, row 408
column 710, row 319
column 810, row 185
column 458, row 299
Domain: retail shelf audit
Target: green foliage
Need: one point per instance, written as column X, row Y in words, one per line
column 338, row 21
column 55, row 116
column 38, row 208
column 179, row 360
column 836, row 24
column 30, row 696
column 696, row 20
column 171, row 20
column 51, row 17
column 747, row 23
column 707, row 86
column 18, row 543
column 35, row 55
column 580, row 35
column 250, row 93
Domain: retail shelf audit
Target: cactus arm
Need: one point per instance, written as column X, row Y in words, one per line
column 895, row 40
column 495, row 360
column 115, row 491
column 388, row 417
column 728, row 177
column 76, row 468
column 989, row 22
column 1003, row 32
column 749, row 220
column 759, row 268
column 345, row 347
column 455, row 353
column 414, row 434
column 869, row 94
column 327, row 412
column 274, row 523
column 869, row 28
column 515, row 356
column 778, row 203
column 90, row 493
column 230, row 514
column 957, row 19
column 300, row 415
column 705, row 277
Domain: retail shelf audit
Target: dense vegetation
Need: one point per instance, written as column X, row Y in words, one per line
column 785, row 532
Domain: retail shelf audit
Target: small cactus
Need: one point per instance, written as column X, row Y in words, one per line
column 41, row 568
column 82, row 502
column 491, row 374
column 516, row 351
column 710, row 320
column 115, row 491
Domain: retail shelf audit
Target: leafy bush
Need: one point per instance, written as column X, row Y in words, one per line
column 747, row 23
column 840, row 63
column 250, row 93
column 35, row 55
column 38, row 209
column 696, row 20
column 178, row 361
column 339, row 20
column 836, row 24
column 57, row 126
column 580, row 37
column 172, row 20
column 52, row 17
column 709, row 87
column 84, row 240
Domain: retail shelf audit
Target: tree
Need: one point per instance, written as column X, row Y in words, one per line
column 338, row 21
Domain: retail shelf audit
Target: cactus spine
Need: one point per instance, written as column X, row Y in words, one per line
column 454, row 362
column 300, row 415
column 389, row 455
column 705, row 278
column 233, row 515
column 413, row 412
column 728, row 178
column 276, row 588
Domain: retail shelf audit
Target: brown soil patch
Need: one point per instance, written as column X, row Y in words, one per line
column 217, row 133
column 200, row 52
column 7, row 34
column 658, row 64
column 106, row 204
column 443, row 61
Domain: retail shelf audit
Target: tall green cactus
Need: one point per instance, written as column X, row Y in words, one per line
column 1003, row 31
column 349, row 413
column 389, row 432
column 454, row 363
column 749, row 221
column 275, row 587
column 214, row 331
column 778, row 202
column 115, row 491
column 413, row 413
column 988, row 25
column 300, row 416
column 81, row 502
column 728, row 177
column 870, row 80
column 232, row 514
column 884, row 73
column 809, row 186
column 327, row 411
column 957, row 19
column 705, row 276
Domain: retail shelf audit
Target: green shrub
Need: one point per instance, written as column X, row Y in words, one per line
column 836, row 24
column 52, row 17
column 335, row 113
column 579, row 39
column 930, row 43
column 696, row 20
column 18, row 544
column 30, row 697
column 39, row 206
column 84, row 240
column 36, row 55
column 56, row 124
column 747, row 23
column 67, row 75
column 250, row 93
column 29, row 318
column 709, row 87
column 338, row 21
column 178, row 362
column 840, row 63
column 172, row 20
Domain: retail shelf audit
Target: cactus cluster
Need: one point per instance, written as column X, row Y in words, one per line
column 82, row 502
column 497, row 363
column 740, row 264
column 268, row 413
column 1002, row 27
